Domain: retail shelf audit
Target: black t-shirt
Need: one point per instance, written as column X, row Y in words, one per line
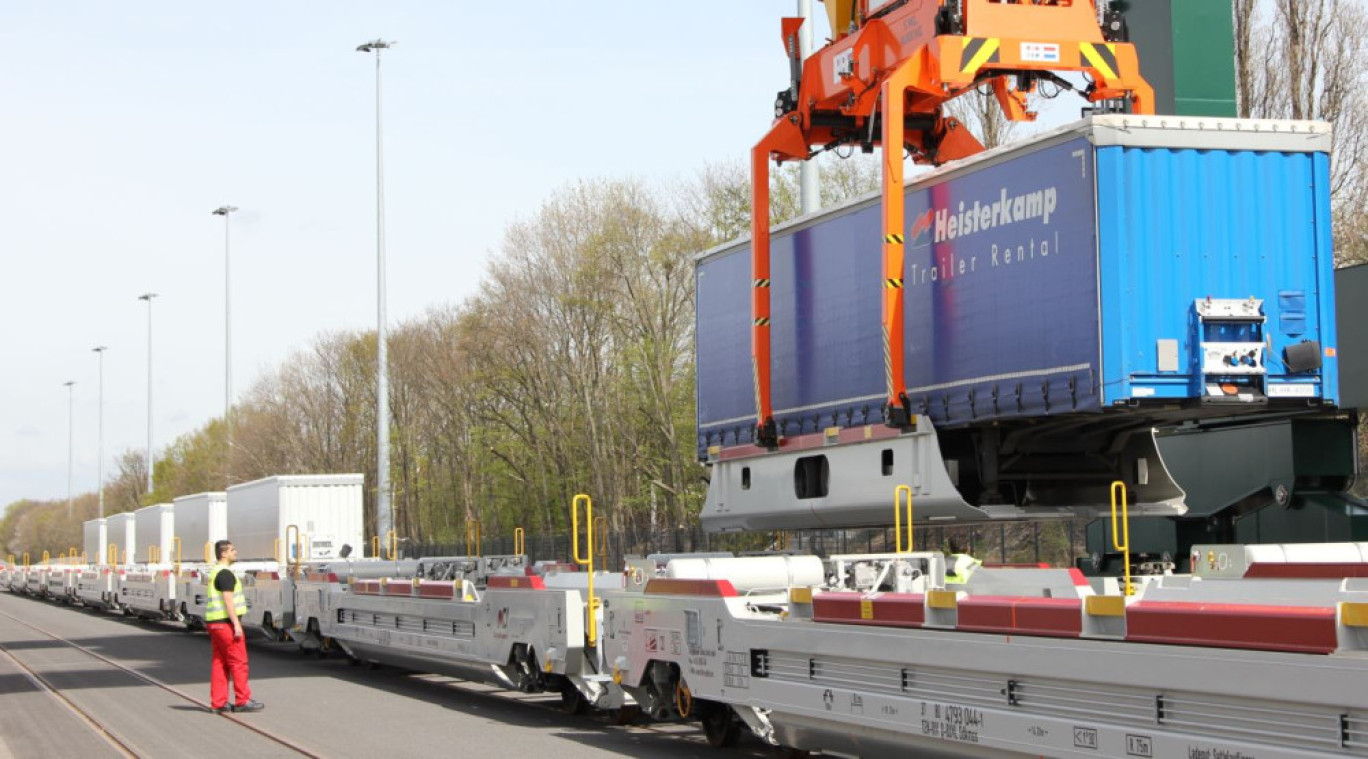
column 225, row 581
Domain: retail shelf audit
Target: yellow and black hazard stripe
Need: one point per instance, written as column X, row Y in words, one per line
column 893, row 238
column 1100, row 56
column 762, row 322
column 888, row 362
column 979, row 51
column 893, row 283
column 760, row 283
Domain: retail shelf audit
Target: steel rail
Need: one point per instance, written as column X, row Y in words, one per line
column 42, row 684
column 106, row 731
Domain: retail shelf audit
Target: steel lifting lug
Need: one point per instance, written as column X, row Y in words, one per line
column 767, row 434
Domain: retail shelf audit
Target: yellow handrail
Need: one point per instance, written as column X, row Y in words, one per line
column 177, row 541
column 519, row 542
column 1121, row 536
column 375, row 546
column 152, row 554
column 298, row 547
column 587, row 558
column 26, row 559
column 601, row 537
column 897, row 518
column 474, row 538
column 392, row 541
column 275, row 550
column 112, row 554
column 46, row 557
column 209, row 552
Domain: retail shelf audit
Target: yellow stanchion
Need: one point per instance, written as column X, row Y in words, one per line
column 1121, row 535
column 519, row 542
column 898, row 493
column 298, row 544
column 474, row 538
column 585, row 559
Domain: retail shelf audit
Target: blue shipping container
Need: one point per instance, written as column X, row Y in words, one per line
column 1142, row 266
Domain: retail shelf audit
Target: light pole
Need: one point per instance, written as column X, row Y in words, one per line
column 227, row 329
column 148, row 297
column 99, row 465
column 383, row 517
column 71, row 438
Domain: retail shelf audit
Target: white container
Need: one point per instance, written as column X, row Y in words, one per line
column 325, row 507
column 97, row 541
column 120, row 534
column 201, row 521
column 155, row 529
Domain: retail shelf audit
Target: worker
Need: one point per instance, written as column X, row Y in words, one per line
column 958, row 567
column 223, row 619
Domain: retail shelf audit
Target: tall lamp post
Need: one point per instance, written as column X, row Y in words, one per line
column 71, row 438
column 148, row 297
column 99, row 466
column 383, row 517
column 224, row 211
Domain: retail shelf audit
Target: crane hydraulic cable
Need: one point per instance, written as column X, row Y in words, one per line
column 882, row 81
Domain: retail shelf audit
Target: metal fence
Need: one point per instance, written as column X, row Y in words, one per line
column 1058, row 543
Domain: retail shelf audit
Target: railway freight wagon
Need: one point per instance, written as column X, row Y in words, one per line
column 201, row 520
column 278, row 523
column 1063, row 297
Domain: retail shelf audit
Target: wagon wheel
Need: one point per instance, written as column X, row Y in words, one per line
column 720, row 725
column 572, row 701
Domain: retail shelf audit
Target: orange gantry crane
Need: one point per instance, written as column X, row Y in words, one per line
column 883, row 80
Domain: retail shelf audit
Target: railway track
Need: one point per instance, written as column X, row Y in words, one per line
column 106, row 731
column 420, row 685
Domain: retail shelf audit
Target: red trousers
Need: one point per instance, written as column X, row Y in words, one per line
column 230, row 661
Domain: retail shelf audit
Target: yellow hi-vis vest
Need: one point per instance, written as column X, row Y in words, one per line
column 959, row 567
column 215, row 611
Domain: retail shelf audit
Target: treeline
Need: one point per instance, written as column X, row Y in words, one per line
column 570, row 370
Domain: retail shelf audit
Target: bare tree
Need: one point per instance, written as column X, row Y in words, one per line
column 1307, row 61
column 129, row 486
column 980, row 112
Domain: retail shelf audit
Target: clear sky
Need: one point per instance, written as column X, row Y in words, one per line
column 125, row 126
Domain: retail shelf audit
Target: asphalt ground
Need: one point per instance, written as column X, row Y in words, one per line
column 64, row 692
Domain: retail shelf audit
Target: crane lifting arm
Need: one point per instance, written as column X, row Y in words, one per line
column 882, row 81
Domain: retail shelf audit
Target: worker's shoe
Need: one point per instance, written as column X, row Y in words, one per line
column 219, row 710
column 250, row 706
